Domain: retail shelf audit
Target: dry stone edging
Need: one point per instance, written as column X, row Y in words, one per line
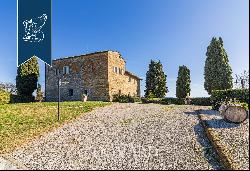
column 225, row 156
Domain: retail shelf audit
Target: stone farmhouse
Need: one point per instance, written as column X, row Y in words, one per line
column 100, row 75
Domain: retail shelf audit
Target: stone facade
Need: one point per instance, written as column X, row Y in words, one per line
column 100, row 75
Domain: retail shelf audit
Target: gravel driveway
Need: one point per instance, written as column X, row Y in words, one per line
column 124, row 136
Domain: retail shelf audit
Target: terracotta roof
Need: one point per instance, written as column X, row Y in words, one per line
column 129, row 73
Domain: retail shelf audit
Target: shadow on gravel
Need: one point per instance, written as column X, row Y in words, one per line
column 192, row 113
column 204, row 112
column 220, row 123
column 208, row 150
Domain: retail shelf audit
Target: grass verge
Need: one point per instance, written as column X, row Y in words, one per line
column 22, row 122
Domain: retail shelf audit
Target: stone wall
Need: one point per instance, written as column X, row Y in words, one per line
column 73, row 80
column 95, row 76
column 132, row 85
column 119, row 82
column 91, row 73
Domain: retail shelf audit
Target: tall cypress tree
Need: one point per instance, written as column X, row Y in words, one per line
column 183, row 82
column 26, row 79
column 217, row 72
column 39, row 93
column 156, row 80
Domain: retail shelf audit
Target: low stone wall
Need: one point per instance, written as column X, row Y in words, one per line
column 231, row 141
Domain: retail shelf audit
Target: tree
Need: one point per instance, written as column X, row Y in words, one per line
column 26, row 79
column 217, row 72
column 9, row 87
column 183, row 82
column 156, row 80
column 39, row 93
column 242, row 80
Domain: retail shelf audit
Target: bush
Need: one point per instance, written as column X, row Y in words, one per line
column 220, row 96
column 153, row 100
column 201, row 101
column 125, row 98
column 172, row 100
column 136, row 99
column 21, row 99
column 4, row 97
column 165, row 101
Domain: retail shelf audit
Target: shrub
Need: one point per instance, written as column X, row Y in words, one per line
column 122, row 98
column 201, row 101
column 172, row 100
column 4, row 97
column 150, row 95
column 220, row 96
column 21, row 99
column 136, row 99
column 154, row 100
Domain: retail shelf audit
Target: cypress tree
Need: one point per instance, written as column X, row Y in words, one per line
column 217, row 71
column 39, row 93
column 156, row 80
column 183, row 82
column 26, row 79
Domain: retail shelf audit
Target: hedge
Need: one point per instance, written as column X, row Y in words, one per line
column 154, row 100
column 4, row 97
column 21, row 99
column 201, row 101
column 125, row 98
column 220, row 96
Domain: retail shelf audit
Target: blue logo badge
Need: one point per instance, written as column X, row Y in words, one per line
column 34, row 30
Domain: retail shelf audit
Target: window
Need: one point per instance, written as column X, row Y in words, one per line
column 71, row 92
column 117, row 70
column 66, row 70
column 86, row 92
column 120, row 71
column 129, row 79
column 57, row 72
column 120, row 92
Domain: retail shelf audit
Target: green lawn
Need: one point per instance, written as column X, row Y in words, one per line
column 21, row 122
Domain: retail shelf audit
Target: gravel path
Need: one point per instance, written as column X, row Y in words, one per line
column 124, row 136
column 234, row 136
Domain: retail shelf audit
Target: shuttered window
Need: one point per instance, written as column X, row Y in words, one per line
column 66, row 70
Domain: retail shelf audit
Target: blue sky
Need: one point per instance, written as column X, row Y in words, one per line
column 177, row 32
